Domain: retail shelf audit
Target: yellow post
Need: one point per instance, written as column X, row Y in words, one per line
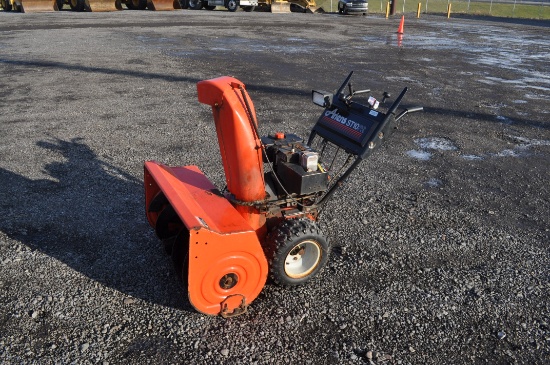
column 387, row 9
column 449, row 11
column 418, row 10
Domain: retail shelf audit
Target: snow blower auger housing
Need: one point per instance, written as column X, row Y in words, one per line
column 225, row 245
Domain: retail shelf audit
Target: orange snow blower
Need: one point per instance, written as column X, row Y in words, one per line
column 226, row 244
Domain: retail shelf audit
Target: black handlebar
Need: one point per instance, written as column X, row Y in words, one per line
column 409, row 110
column 415, row 109
column 346, row 99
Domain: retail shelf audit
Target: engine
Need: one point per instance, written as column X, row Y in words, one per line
column 296, row 165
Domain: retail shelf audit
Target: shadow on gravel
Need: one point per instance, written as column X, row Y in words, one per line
column 89, row 214
column 487, row 117
column 145, row 75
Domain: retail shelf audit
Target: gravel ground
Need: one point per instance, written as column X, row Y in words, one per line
column 440, row 240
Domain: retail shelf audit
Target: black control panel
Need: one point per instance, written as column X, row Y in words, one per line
column 349, row 127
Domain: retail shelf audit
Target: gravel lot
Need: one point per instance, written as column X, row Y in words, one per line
column 440, row 240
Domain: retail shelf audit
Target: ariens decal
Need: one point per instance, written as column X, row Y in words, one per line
column 333, row 114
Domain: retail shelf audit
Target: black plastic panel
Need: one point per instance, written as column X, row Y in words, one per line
column 350, row 130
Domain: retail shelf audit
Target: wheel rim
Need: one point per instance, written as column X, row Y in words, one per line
column 302, row 259
column 232, row 4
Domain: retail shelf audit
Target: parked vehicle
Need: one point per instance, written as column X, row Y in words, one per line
column 34, row 6
column 231, row 5
column 353, row 6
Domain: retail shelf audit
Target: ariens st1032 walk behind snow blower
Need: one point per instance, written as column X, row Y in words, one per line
column 225, row 245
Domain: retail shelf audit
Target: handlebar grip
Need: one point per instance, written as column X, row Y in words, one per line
column 415, row 109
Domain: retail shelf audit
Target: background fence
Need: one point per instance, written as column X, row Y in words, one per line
column 532, row 9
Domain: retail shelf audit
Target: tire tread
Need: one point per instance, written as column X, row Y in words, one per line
column 290, row 231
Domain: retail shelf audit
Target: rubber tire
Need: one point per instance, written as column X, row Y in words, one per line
column 248, row 9
column 136, row 4
column 60, row 4
column 77, row 5
column 295, row 8
column 142, row 4
column 284, row 238
column 195, row 4
column 184, row 4
column 232, row 5
column 6, row 6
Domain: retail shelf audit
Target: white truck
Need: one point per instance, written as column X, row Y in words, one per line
column 231, row 5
